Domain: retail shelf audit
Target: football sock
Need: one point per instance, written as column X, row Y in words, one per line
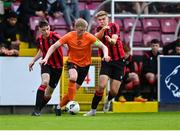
column 71, row 90
column 70, row 95
column 110, row 97
column 44, row 101
column 40, row 97
column 121, row 88
column 137, row 88
column 96, row 99
column 64, row 100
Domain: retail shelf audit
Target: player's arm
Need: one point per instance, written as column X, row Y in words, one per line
column 50, row 51
column 100, row 34
column 100, row 45
column 112, row 40
column 38, row 55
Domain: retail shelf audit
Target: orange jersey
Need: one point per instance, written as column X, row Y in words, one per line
column 80, row 48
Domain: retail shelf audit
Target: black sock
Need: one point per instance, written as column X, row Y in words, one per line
column 96, row 100
column 45, row 100
column 137, row 90
column 121, row 88
column 39, row 100
column 110, row 97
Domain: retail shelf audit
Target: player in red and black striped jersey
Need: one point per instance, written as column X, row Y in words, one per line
column 131, row 79
column 51, row 72
column 108, row 33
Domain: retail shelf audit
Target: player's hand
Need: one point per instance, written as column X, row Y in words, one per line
column 108, row 38
column 31, row 66
column 43, row 62
column 106, row 58
column 106, row 27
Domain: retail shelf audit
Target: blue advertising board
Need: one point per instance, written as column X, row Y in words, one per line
column 169, row 79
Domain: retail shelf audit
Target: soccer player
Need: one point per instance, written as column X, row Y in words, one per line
column 131, row 79
column 79, row 43
column 149, row 68
column 108, row 33
column 51, row 72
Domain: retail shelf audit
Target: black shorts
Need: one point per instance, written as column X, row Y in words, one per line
column 113, row 69
column 125, row 78
column 82, row 72
column 55, row 74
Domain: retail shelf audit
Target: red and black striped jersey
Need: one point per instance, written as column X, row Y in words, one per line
column 115, row 51
column 56, row 59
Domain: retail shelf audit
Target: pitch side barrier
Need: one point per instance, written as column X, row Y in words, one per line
column 169, row 79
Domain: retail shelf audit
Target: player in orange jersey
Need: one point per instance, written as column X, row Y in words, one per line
column 79, row 43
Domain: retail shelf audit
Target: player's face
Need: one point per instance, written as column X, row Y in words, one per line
column 80, row 30
column 45, row 31
column 102, row 20
column 155, row 47
column 177, row 50
column 12, row 21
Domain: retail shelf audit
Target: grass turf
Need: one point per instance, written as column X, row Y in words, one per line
column 108, row 121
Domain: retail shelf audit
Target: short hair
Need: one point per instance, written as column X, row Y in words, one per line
column 126, row 48
column 43, row 23
column 101, row 13
column 154, row 41
column 81, row 23
column 11, row 14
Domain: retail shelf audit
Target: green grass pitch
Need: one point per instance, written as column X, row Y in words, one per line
column 102, row 121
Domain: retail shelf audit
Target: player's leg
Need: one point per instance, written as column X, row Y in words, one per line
column 152, row 81
column 78, row 75
column 73, row 74
column 114, row 87
column 103, row 79
column 45, row 78
column 119, row 96
column 116, row 75
column 55, row 75
column 134, row 79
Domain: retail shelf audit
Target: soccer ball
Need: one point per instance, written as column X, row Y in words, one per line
column 72, row 107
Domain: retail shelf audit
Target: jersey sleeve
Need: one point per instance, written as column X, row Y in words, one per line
column 64, row 39
column 116, row 29
column 38, row 42
column 93, row 39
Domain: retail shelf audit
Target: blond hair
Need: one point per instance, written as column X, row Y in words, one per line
column 101, row 13
column 81, row 23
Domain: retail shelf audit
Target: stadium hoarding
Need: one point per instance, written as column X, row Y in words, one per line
column 169, row 79
column 18, row 86
column 90, row 78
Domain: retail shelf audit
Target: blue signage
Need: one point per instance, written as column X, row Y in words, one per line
column 169, row 79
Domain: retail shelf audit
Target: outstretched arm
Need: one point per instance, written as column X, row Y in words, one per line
column 100, row 45
column 49, row 53
column 38, row 55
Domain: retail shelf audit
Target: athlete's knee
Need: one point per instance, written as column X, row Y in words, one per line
column 102, row 85
column 48, row 95
column 100, row 89
column 45, row 82
column 114, row 92
column 72, row 78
